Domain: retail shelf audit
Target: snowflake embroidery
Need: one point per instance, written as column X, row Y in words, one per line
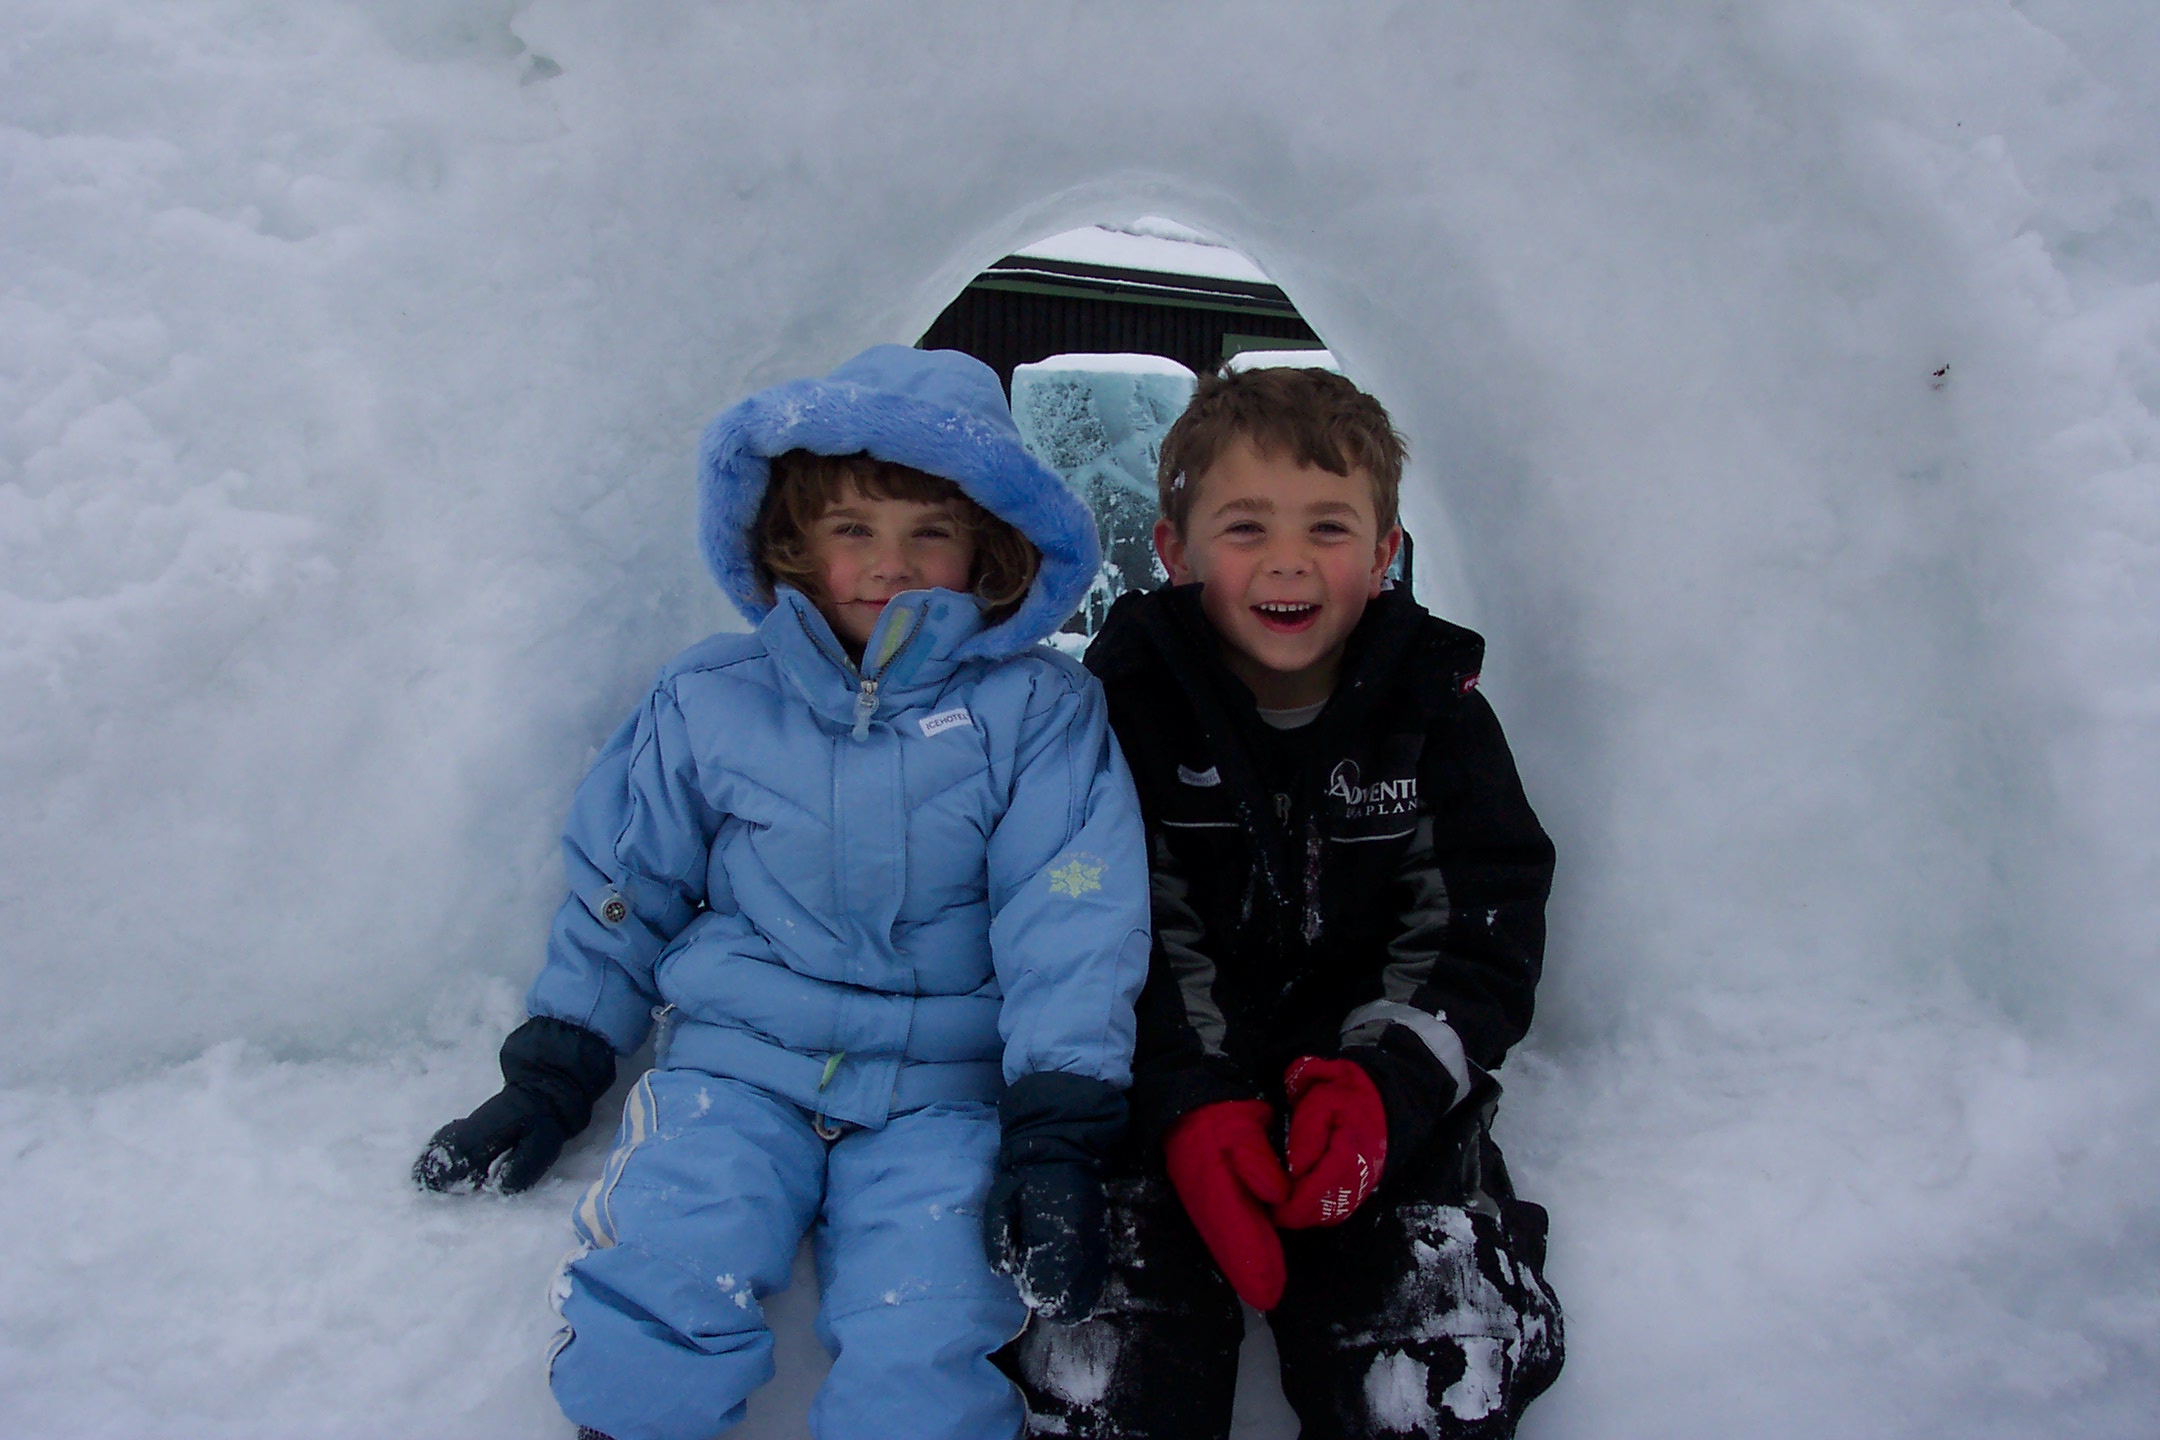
column 1076, row 877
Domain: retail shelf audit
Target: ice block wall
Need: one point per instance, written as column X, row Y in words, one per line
column 1099, row 421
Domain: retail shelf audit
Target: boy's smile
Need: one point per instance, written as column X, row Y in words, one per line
column 1287, row 556
column 867, row 551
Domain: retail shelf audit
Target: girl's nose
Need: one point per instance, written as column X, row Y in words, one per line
column 890, row 563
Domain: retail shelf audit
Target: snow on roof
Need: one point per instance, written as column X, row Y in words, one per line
column 1123, row 364
column 1291, row 359
column 1149, row 243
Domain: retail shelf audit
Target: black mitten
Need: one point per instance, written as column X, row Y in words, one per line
column 1043, row 1223
column 553, row 1071
column 1415, row 1089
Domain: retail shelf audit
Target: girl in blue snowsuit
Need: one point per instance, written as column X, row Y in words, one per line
column 892, row 902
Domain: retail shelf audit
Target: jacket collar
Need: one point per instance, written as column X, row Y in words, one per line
column 1172, row 623
column 1166, row 629
column 913, row 651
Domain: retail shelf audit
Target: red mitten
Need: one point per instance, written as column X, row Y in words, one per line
column 1227, row 1174
column 1338, row 1141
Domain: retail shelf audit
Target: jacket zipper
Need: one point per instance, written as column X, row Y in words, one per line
column 866, row 694
column 865, row 707
column 1312, row 879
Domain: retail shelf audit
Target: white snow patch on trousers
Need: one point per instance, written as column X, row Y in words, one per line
column 1477, row 1393
column 1081, row 1364
column 1396, row 1394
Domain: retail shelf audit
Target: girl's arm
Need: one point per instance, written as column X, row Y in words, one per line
column 636, row 848
column 1069, row 938
column 1069, row 890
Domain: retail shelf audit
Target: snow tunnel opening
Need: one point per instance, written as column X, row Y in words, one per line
column 1099, row 335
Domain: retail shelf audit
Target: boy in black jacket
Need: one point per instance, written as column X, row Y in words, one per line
column 1349, row 893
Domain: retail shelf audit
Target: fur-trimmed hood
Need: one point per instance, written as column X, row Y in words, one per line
column 938, row 411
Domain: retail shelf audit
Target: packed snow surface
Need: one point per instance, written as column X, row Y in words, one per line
column 1781, row 384
column 1148, row 243
column 1293, row 359
column 1110, row 364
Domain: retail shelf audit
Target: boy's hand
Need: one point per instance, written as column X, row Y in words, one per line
column 1226, row 1173
column 1043, row 1222
column 1338, row 1141
column 553, row 1071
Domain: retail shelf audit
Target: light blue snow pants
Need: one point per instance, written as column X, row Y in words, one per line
column 697, row 1218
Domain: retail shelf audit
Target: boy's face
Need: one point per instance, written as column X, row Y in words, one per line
column 868, row 551
column 1287, row 555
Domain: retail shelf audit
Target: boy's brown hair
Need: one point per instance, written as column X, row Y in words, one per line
column 1315, row 416
column 804, row 485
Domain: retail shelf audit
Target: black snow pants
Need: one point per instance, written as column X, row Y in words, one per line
column 1423, row 1315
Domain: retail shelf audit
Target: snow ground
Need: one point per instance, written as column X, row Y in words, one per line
column 1782, row 381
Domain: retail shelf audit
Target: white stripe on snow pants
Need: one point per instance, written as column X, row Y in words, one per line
column 697, row 1219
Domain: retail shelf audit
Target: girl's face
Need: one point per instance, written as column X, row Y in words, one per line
column 867, row 551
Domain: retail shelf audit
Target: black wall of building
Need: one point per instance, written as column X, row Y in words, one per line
column 1023, row 310
column 1008, row 327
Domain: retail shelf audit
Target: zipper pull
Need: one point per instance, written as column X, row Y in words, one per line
column 832, row 1068
column 865, row 706
column 1312, row 881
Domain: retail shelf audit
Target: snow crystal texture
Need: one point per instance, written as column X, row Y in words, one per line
column 1099, row 421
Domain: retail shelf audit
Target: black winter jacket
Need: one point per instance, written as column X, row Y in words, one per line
column 1372, row 885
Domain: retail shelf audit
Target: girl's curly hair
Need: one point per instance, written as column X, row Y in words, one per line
column 804, row 485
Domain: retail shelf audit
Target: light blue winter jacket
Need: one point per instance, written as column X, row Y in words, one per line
column 866, row 890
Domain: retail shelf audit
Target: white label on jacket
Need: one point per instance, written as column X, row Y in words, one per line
column 1365, row 802
column 945, row 720
column 1202, row 778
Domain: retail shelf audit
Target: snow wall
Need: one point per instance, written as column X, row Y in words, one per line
column 1781, row 380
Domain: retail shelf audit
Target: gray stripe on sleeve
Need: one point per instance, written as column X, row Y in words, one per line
column 1363, row 1025
column 1178, row 930
column 1414, row 952
column 1416, row 946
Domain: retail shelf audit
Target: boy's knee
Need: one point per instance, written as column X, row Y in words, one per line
column 1127, row 1376
column 1159, row 1357
column 1431, row 1321
column 1445, row 1387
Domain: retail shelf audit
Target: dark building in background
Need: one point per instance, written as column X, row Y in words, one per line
column 1027, row 308
column 1024, row 309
